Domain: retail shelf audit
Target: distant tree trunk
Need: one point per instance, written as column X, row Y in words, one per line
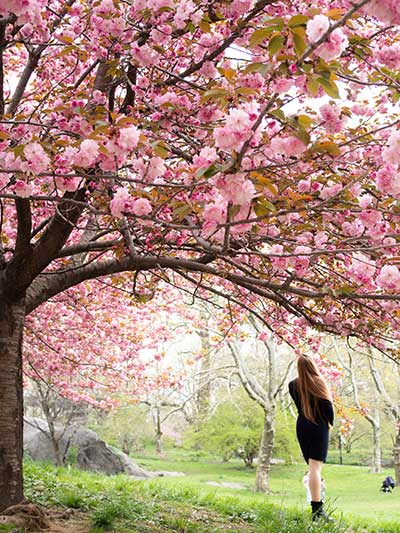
column 158, row 431
column 376, row 465
column 265, row 453
column 12, row 317
column 396, row 457
column 340, row 448
column 204, row 387
column 51, row 434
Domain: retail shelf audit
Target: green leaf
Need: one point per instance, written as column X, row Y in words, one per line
column 214, row 94
column 300, row 45
column 256, row 67
column 260, row 35
column 207, row 172
column 329, row 87
column 275, row 44
column 298, row 20
column 327, row 146
column 305, row 121
column 182, row 210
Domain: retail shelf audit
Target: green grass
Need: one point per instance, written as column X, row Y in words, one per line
column 187, row 504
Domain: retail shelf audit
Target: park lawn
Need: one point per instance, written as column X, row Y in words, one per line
column 352, row 491
column 188, row 504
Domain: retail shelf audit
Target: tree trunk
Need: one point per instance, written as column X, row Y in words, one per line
column 158, row 431
column 204, row 383
column 376, row 466
column 265, row 453
column 340, row 448
column 396, row 457
column 12, row 316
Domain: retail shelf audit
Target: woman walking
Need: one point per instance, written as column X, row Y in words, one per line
column 314, row 404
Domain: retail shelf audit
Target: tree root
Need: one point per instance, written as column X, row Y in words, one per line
column 26, row 515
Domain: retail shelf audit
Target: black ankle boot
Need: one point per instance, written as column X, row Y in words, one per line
column 318, row 512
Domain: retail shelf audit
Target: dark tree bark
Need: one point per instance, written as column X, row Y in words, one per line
column 12, row 317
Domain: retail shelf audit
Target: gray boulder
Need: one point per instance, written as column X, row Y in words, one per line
column 93, row 453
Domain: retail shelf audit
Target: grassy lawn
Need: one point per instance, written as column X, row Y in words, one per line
column 352, row 491
column 188, row 504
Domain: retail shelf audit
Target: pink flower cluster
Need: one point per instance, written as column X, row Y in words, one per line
column 235, row 188
column 236, row 131
column 389, row 56
column 287, row 146
column 123, row 202
column 389, row 278
column 388, row 11
column 26, row 11
column 388, row 180
column 335, row 43
column 332, row 119
column 391, row 154
column 362, row 268
column 298, row 262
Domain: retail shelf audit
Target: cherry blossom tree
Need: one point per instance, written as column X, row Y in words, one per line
column 248, row 146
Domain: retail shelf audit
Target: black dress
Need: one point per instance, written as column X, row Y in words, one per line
column 313, row 438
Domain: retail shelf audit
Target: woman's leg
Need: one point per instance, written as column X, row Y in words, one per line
column 314, row 479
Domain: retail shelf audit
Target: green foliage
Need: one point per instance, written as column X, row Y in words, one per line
column 285, row 446
column 73, row 499
column 234, row 429
column 126, row 428
column 72, row 456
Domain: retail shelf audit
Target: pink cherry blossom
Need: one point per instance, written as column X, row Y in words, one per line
column 389, row 278
column 388, row 180
column 141, row 207
column 23, row 189
column 391, row 154
column 128, row 138
column 287, row 146
column 316, row 27
column 362, row 267
column 88, row 153
column 331, row 117
column 336, row 43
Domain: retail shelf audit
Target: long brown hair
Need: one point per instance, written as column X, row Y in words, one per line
column 312, row 386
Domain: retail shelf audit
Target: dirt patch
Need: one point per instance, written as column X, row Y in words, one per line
column 36, row 519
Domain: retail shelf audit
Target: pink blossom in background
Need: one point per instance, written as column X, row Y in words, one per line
column 128, row 138
column 389, row 278
column 301, row 262
column 23, row 189
column 287, row 146
column 88, row 153
column 37, row 160
column 206, row 157
column 388, row 11
column 336, row 43
column 362, row 267
column 330, row 191
column 282, row 85
column 278, row 262
column 141, row 207
column 388, row 180
column 389, row 56
column 331, row 118
column 235, row 188
column 121, row 202
column 353, row 229
column 391, row 153
column 316, row 27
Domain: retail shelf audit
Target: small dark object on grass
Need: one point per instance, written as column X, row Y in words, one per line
column 387, row 484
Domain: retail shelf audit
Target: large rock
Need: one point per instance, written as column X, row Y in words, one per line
column 93, row 453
